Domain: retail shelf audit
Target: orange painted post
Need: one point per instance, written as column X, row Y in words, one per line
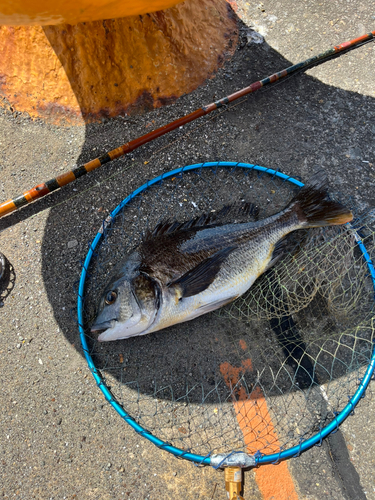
column 76, row 72
column 45, row 12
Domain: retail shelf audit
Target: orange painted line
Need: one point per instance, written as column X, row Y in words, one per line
column 274, row 481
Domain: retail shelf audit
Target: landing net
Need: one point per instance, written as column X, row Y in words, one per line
column 273, row 372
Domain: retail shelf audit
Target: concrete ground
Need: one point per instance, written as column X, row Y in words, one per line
column 59, row 437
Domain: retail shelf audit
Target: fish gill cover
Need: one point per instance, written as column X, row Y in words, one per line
column 269, row 370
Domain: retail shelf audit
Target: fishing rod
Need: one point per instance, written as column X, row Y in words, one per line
column 61, row 180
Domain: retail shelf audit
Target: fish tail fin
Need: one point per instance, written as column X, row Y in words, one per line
column 315, row 208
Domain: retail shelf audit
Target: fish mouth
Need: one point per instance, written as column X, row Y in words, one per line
column 101, row 327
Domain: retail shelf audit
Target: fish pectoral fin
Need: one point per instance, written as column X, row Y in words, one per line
column 200, row 277
column 212, row 306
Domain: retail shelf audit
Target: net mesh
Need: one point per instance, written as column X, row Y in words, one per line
column 271, row 369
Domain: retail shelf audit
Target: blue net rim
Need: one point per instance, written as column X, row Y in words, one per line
column 260, row 459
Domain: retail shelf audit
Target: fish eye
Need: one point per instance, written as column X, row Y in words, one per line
column 110, row 297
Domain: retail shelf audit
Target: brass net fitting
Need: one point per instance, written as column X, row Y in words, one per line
column 233, row 482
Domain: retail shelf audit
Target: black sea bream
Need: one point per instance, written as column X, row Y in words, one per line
column 183, row 270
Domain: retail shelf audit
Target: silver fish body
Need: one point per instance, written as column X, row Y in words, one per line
column 182, row 271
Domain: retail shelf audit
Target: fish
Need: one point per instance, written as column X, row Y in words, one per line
column 182, row 270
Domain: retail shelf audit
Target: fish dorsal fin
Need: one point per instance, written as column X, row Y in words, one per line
column 199, row 278
column 238, row 209
column 168, row 226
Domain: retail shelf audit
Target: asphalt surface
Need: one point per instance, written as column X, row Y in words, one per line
column 59, row 437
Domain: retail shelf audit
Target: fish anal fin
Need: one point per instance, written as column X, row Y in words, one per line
column 199, row 278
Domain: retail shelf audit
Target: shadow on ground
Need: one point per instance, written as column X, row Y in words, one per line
column 296, row 126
